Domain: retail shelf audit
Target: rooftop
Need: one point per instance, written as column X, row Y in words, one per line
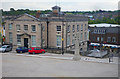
column 103, row 25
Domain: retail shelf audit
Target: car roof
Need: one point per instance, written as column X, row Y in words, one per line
column 20, row 47
column 5, row 45
column 34, row 47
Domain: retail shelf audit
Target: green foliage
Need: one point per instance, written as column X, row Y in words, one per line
column 0, row 38
column 104, row 20
column 33, row 12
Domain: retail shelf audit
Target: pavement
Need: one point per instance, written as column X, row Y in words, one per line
column 67, row 56
column 54, row 65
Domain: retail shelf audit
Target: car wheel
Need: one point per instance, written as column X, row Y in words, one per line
column 20, row 51
column 33, row 52
column 43, row 52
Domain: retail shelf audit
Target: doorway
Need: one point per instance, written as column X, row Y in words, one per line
column 26, row 42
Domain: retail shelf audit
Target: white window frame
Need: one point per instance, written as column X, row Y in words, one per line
column 108, row 39
column 33, row 27
column 73, row 28
column 10, row 26
column 68, row 40
column 68, row 28
column 19, row 39
column 25, row 29
column 58, row 40
column 58, row 28
column 98, row 38
column 113, row 39
column 81, row 27
column 102, row 39
column 78, row 28
column 33, row 40
column 73, row 39
column 18, row 27
column 10, row 37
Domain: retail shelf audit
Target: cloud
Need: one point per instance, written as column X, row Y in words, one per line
column 67, row 5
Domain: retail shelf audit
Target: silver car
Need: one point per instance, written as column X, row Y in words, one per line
column 5, row 48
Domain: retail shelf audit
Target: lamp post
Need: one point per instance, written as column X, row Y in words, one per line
column 63, row 37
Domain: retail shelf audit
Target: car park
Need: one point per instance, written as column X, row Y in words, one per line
column 22, row 49
column 35, row 50
column 5, row 48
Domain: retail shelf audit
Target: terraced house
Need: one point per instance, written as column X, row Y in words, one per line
column 53, row 30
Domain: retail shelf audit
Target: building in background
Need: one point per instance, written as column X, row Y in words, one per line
column 54, row 30
column 107, row 35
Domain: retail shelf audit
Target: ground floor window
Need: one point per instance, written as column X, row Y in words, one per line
column 10, row 37
column 68, row 40
column 73, row 39
column 33, row 41
column 58, row 40
column 18, row 39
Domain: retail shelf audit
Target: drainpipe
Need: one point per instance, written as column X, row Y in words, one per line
column 47, row 32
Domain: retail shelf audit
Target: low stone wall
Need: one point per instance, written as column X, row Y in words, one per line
column 58, row 51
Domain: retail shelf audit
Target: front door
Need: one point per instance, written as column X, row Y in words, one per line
column 26, row 42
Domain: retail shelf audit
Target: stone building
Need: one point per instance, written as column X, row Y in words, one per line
column 54, row 30
column 106, row 34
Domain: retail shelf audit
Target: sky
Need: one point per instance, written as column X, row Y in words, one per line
column 66, row 5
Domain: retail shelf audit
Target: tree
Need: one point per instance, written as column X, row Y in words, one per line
column 12, row 9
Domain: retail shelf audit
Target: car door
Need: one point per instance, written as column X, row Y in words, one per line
column 7, row 48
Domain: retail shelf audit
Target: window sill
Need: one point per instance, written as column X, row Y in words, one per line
column 33, row 31
column 18, row 30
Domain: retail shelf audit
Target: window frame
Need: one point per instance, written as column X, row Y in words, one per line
column 33, row 28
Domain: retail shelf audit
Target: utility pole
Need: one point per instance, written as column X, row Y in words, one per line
column 62, row 37
column 77, row 50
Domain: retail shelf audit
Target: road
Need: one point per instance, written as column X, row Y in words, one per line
column 31, row 66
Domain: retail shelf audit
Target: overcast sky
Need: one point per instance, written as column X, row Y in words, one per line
column 66, row 5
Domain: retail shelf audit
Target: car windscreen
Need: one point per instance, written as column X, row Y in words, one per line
column 4, row 46
column 30, row 49
column 36, row 48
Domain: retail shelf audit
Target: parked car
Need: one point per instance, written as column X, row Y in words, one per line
column 5, row 48
column 35, row 50
column 22, row 49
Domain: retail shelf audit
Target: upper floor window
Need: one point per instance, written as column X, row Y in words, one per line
column 18, row 27
column 10, row 37
column 58, row 28
column 26, row 27
column 73, row 40
column 98, row 38
column 85, row 26
column 108, row 39
column 68, row 40
column 101, row 38
column 97, row 31
column 73, row 28
column 68, row 28
column 77, row 28
column 81, row 27
column 33, row 28
column 81, row 36
column 113, row 39
column 85, row 36
column 10, row 26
